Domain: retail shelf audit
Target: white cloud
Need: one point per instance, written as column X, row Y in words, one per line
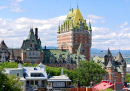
column 15, row 31
column 105, row 37
column 95, row 17
column 3, row 7
column 103, row 21
column 92, row 21
column 15, row 7
column 124, row 24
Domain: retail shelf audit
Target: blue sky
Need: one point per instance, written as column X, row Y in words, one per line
column 109, row 18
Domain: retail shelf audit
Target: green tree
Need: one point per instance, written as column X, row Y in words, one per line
column 9, row 65
column 9, row 83
column 88, row 71
column 128, row 78
column 109, row 89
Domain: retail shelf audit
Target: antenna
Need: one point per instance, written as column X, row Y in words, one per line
column 12, row 46
column 119, row 48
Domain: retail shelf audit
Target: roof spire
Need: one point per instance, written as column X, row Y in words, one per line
column 59, row 28
column 119, row 48
column 89, row 27
column 70, row 6
column 77, row 5
column 71, row 27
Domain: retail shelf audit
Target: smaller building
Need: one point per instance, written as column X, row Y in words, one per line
column 4, row 53
column 59, row 83
column 36, row 79
column 115, row 68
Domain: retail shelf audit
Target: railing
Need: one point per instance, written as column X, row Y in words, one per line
column 41, row 86
column 34, row 87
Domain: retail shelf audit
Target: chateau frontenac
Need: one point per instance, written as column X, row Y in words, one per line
column 74, row 34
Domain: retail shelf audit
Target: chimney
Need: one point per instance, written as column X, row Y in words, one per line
column 45, row 48
column 36, row 33
column 78, row 85
column 62, row 48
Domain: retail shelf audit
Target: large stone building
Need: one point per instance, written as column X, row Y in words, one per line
column 75, row 33
column 115, row 68
column 31, row 50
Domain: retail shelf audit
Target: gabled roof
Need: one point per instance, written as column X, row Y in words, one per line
column 119, row 57
column 3, row 43
column 108, row 53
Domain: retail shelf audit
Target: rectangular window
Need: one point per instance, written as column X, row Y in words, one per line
column 18, row 74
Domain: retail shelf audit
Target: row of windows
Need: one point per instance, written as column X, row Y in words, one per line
column 80, row 41
column 80, row 38
column 81, row 34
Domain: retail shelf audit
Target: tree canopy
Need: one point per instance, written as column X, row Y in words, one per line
column 109, row 89
column 11, row 83
column 128, row 78
column 15, row 65
column 88, row 71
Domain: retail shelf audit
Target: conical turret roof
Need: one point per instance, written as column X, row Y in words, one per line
column 109, row 64
column 108, row 53
column 12, row 54
column 119, row 57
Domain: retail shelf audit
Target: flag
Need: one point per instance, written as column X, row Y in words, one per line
column 102, row 51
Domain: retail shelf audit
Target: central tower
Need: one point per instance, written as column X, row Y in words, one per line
column 74, row 34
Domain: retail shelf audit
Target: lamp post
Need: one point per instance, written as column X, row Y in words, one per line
column 78, row 83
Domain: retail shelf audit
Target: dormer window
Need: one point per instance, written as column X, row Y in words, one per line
column 35, row 69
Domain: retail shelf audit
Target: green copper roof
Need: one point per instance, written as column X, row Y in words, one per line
column 71, row 27
column 58, row 29
column 109, row 64
column 80, row 49
column 119, row 57
column 31, row 42
column 108, row 53
column 73, row 18
column 64, row 53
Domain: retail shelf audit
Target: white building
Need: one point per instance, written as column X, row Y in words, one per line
column 59, row 83
column 36, row 79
